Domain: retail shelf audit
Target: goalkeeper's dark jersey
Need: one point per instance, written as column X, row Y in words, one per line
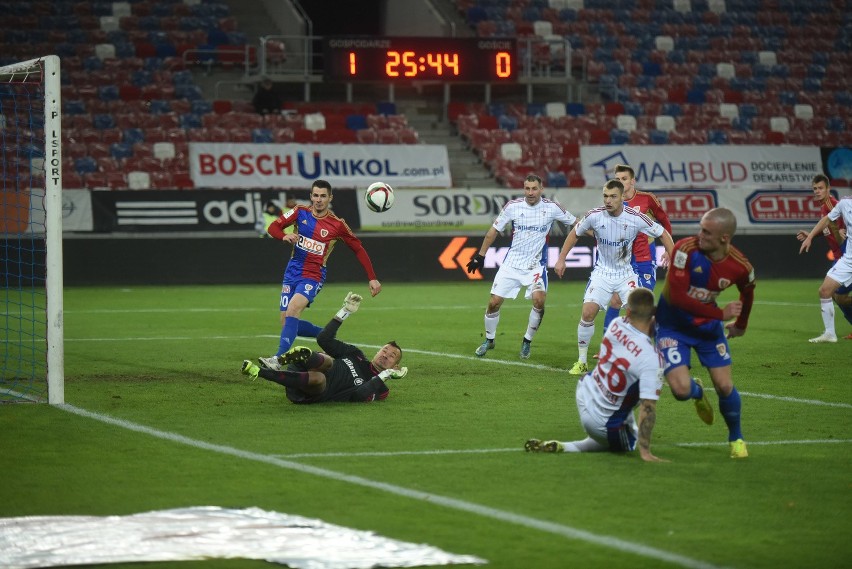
column 351, row 377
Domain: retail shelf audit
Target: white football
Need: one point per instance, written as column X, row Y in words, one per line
column 379, row 197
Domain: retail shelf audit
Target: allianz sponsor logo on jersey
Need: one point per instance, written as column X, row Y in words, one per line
column 769, row 206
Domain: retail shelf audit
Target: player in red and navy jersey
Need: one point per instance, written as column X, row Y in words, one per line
column 342, row 373
column 317, row 231
column 689, row 318
column 835, row 236
column 644, row 252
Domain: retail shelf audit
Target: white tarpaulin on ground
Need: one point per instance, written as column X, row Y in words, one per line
column 244, row 165
column 202, row 533
column 660, row 166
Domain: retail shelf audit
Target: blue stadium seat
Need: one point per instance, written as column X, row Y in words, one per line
column 189, row 92
column 535, row 109
column 658, row 136
column 201, row 107
column 496, row 109
column 557, row 180
column 717, row 137
column 696, row 96
column 741, row 123
column 262, row 136
column 190, row 120
column 108, row 93
column 74, row 107
column 356, row 122
column 646, row 82
column 619, row 136
column 652, row 69
column 812, row 84
column 133, row 135
column 835, row 124
column 749, row 110
column 386, row 108
column 633, row 108
column 788, row 97
column 119, row 150
column 575, row 109
column 159, row 107
column 671, row 109
column 103, row 121
column 85, row 165
column 507, row 122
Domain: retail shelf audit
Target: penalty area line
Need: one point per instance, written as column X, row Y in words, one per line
column 428, row 497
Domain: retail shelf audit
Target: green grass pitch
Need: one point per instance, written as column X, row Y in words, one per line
column 441, row 460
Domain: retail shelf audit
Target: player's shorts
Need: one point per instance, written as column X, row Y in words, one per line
column 646, row 272
column 600, row 288
column 306, row 287
column 841, row 271
column 509, row 280
column 708, row 341
column 617, row 436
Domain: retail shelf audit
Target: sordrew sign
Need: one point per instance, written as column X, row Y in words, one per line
column 235, row 165
column 660, row 166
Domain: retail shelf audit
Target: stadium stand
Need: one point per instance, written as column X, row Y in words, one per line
column 659, row 72
column 685, row 72
column 131, row 105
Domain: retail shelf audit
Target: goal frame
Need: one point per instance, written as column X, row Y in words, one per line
column 49, row 67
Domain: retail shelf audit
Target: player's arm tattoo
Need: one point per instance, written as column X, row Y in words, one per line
column 647, row 420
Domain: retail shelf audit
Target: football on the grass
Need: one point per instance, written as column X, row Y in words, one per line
column 379, row 197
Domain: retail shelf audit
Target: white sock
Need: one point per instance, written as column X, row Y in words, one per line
column 586, row 445
column 585, row 331
column 534, row 322
column 491, row 321
column 826, row 308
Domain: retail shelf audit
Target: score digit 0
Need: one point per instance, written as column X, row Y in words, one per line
column 503, row 64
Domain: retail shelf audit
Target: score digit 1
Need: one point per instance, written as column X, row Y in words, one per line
column 352, row 68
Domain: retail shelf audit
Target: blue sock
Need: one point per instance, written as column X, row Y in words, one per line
column 730, row 407
column 695, row 391
column 288, row 334
column 847, row 312
column 611, row 314
column 308, row 329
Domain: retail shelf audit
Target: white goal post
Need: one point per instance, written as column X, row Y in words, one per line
column 31, row 232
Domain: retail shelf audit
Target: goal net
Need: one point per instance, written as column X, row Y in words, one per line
column 31, row 232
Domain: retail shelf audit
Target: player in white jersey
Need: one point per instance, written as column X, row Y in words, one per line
column 615, row 227
column 525, row 264
column 628, row 374
column 840, row 274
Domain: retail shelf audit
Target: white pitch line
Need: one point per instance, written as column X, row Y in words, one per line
column 520, row 449
column 452, row 503
column 797, row 400
column 516, row 306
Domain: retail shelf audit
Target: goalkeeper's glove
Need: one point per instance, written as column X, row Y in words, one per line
column 392, row 373
column 475, row 264
column 350, row 304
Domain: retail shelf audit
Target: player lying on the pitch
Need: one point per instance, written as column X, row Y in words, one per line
column 342, row 373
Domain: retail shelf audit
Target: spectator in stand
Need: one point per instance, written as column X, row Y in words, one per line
column 266, row 100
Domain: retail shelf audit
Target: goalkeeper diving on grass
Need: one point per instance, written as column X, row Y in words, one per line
column 341, row 372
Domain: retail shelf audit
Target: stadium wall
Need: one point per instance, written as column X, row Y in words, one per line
column 150, row 260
